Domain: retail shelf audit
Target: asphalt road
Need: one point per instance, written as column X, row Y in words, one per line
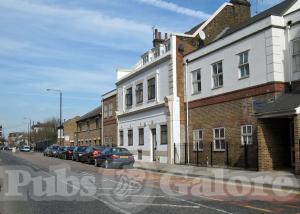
column 97, row 190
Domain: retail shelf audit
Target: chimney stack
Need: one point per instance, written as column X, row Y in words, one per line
column 157, row 40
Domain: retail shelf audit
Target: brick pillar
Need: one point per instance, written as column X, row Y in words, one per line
column 264, row 156
column 297, row 143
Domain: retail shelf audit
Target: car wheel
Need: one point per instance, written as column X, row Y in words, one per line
column 77, row 159
column 89, row 161
column 65, row 157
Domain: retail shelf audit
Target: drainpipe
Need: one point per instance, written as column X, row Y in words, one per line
column 102, row 122
column 187, row 109
column 290, row 62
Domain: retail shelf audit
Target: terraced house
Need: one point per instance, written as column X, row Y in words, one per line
column 150, row 96
column 109, row 121
column 89, row 128
column 243, row 93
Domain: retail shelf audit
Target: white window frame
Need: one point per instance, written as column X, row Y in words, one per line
column 246, row 135
column 296, row 55
column 197, row 141
column 110, row 110
column 141, row 138
column 196, row 81
column 131, row 143
column 105, row 111
column 121, row 137
column 217, row 75
column 155, row 88
column 219, row 138
column 126, row 97
column 244, row 64
column 139, row 91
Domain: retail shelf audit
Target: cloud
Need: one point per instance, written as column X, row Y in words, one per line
column 175, row 8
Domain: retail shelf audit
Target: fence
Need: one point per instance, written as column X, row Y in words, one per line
column 207, row 156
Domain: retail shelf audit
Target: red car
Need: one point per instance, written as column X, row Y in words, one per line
column 67, row 153
column 90, row 153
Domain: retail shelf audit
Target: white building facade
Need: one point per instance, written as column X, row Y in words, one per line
column 249, row 80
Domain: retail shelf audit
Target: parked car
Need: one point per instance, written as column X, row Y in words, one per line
column 67, row 152
column 60, row 151
column 90, row 153
column 77, row 152
column 25, row 149
column 115, row 157
column 54, row 150
column 46, row 152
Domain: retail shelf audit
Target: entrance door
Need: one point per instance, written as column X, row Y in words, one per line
column 292, row 140
column 154, row 143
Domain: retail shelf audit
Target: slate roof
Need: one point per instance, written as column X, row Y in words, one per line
column 286, row 103
column 91, row 114
column 194, row 29
column 277, row 10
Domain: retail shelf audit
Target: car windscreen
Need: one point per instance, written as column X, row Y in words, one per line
column 55, row 147
column 81, row 149
column 120, row 151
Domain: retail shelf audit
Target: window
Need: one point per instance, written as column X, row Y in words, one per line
column 97, row 123
column 129, row 97
column 105, row 111
column 217, row 74
column 110, row 110
column 163, row 134
column 219, row 139
column 139, row 93
column 80, row 127
column 88, row 125
column 121, row 138
column 151, row 89
column 130, row 138
column 244, row 64
column 246, row 134
column 196, row 81
column 141, row 136
column 198, row 140
column 156, row 52
column 296, row 54
column 145, row 59
column 168, row 45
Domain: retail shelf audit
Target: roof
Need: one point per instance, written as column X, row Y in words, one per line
column 277, row 10
column 284, row 105
column 194, row 29
column 95, row 112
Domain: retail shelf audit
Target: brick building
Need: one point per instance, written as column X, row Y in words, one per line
column 151, row 109
column 243, row 93
column 89, row 128
column 109, row 131
column 70, row 131
column 1, row 132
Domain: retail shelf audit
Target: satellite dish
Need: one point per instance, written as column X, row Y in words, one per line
column 202, row 35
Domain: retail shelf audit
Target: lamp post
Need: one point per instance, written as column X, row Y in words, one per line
column 60, row 111
column 29, row 129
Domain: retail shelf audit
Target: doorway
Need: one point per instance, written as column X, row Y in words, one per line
column 154, row 144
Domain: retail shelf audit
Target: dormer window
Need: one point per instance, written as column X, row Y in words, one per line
column 156, row 52
column 145, row 59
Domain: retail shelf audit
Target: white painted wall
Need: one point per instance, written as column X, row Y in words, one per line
column 268, row 57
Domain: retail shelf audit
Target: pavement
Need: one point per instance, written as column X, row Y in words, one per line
column 277, row 179
column 128, row 191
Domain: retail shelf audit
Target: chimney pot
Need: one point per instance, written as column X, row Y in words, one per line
column 159, row 35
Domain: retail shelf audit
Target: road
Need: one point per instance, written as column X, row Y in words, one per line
column 98, row 190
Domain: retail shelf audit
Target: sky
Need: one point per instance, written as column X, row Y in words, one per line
column 76, row 46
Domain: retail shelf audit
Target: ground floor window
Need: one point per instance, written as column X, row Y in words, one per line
column 163, row 134
column 130, row 138
column 141, row 136
column 121, row 138
column 198, row 140
column 219, row 139
column 246, row 134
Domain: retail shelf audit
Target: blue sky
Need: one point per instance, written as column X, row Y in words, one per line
column 76, row 46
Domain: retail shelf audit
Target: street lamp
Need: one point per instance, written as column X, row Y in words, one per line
column 60, row 110
column 29, row 129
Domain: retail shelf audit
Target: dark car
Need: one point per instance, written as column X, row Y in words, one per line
column 54, row 150
column 60, row 151
column 115, row 157
column 90, row 153
column 77, row 152
column 67, row 152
